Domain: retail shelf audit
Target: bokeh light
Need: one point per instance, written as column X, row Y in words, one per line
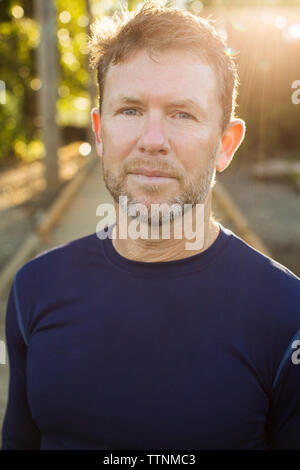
column 82, row 103
column 294, row 31
column 230, row 51
column 17, row 12
column 63, row 91
column 70, row 60
column 83, row 21
column 65, row 16
column 196, row 7
column 63, row 34
column 85, row 149
column 36, row 84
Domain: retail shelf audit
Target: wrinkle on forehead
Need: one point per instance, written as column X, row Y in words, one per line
column 194, row 73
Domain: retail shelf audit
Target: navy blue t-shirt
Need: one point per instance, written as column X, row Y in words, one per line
column 110, row 353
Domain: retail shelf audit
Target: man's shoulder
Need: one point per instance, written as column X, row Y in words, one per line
column 59, row 259
column 250, row 261
column 264, row 284
column 267, row 296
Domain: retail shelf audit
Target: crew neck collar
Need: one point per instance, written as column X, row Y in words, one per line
column 165, row 268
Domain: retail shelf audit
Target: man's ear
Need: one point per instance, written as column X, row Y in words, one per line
column 231, row 140
column 95, row 115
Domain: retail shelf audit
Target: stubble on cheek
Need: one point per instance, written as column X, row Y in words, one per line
column 188, row 190
column 140, row 193
column 119, row 183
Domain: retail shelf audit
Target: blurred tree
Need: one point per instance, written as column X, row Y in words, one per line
column 47, row 67
column 20, row 34
column 74, row 101
column 18, row 38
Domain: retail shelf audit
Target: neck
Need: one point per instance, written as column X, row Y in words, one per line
column 173, row 248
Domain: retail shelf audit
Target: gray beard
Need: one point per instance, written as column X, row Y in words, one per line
column 195, row 193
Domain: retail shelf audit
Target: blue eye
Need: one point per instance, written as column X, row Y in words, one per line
column 185, row 114
column 125, row 111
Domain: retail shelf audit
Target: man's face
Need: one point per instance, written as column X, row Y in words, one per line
column 160, row 128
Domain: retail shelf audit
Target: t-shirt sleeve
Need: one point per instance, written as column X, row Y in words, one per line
column 19, row 430
column 283, row 424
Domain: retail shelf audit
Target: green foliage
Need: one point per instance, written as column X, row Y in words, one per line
column 72, row 21
column 18, row 38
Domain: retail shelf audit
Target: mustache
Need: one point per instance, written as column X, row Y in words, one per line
column 152, row 165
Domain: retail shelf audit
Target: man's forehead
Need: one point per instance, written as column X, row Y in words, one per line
column 184, row 64
column 168, row 80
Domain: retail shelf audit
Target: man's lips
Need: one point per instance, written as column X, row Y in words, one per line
column 151, row 175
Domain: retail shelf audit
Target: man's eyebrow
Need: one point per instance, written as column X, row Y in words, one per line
column 127, row 99
column 185, row 103
column 188, row 103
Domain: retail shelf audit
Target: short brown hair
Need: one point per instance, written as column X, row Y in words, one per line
column 160, row 28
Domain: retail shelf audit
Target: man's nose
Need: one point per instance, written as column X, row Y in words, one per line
column 153, row 139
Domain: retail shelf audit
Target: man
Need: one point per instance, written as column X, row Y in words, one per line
column 119, row 342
